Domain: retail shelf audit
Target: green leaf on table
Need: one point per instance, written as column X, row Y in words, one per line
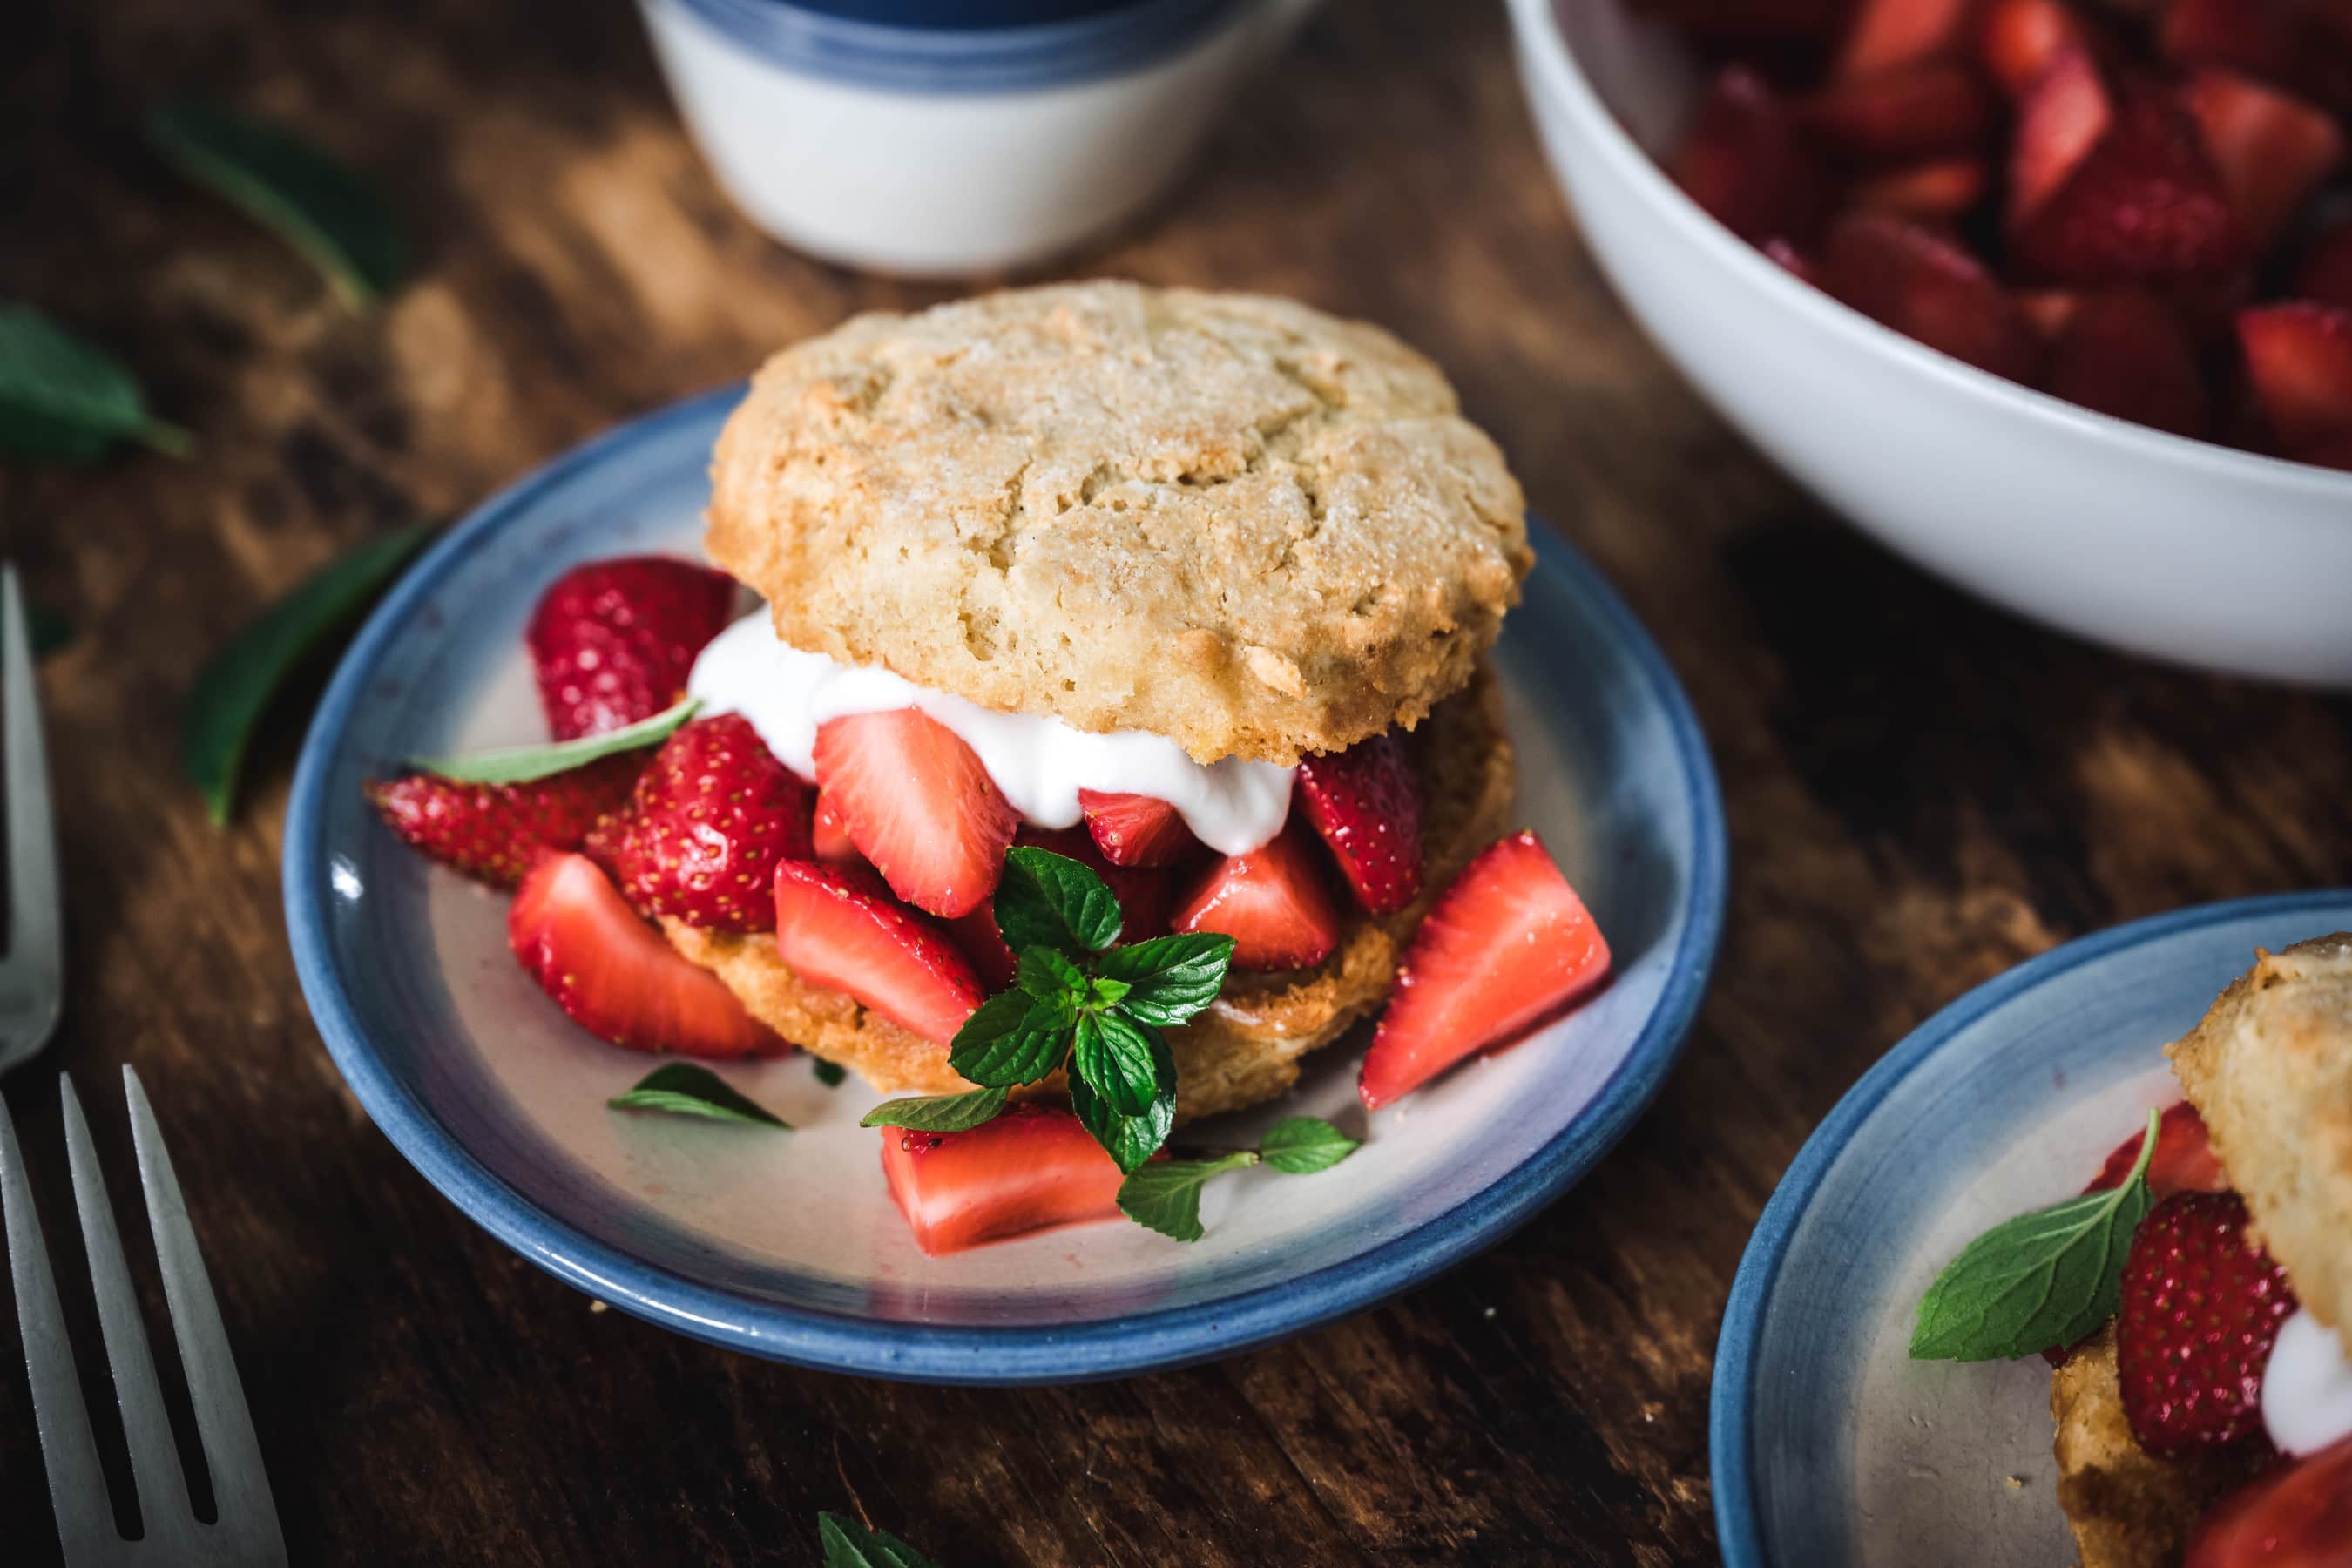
column 233, row 688
column 1130, row 1140
column 2042, row 1279
column 1012, row 1039
column 849, row 1544
column 1119, row 1060
column 520, row 765
column 1302, row 1145
column 1165, row 1197
column 684, row 1089
column 832, row 1075
column 316, row 203
column 1046, row 899
column 65, row 399
column 1169, row 979
column 938, row 1113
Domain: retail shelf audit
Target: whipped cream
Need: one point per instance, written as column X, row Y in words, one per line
column 1040, row 763
column 2307, row 1386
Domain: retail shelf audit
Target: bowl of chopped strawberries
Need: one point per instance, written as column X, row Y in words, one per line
column 2054, row 297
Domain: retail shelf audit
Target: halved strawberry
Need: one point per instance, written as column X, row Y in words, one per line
column 918, row 804
column 1507, row 944
column 2325, row 275
column 1035, row 1167
column 613, row 641
column 1136, row 829
column 1899, row 116
column 2184, row 1161
column 2273, row 150
column 2019, row 40
column 829, row 838
column 711, row 816
column 1271, row 901
column 1926, row 287
column 2295, row 1514
column 835, row 928
column 2201, row 1305
column 2123, row 351
column 615, row 975
column 1743, row 160
column 1888, row 33
column 1365, row 803
column 2299, row 362
column 495, row 832
column 1937, row 192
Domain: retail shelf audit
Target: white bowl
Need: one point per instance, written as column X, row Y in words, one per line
column 924, row 153
column 2165, row 546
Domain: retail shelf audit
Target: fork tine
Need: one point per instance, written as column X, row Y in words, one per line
column 76, row 1488
column 35, row 938
column 247, row 1524
column 164, row 1508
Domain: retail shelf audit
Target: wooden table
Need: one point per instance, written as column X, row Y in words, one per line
column 1922, row 792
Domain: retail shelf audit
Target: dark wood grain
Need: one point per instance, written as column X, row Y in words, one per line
column 1922, row 792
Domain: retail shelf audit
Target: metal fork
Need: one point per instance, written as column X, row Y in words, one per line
column 32, row 971
column 246, row 1532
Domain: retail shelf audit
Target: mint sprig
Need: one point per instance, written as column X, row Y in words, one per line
column 685, row 1090
column 1165, row 1195
column 2044, row 1278
column 938, row 1113
column 848, row 1544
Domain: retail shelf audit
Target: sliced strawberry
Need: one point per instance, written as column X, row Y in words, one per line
column 1743, row 160
column 570, row 927
column 2325, row 275
column 983, row 943
column 711, row 816
column 613, row 641
column 2019, row 40
column 2281, row 41
column 2299, row 362
column 2061, row 116
column 1271, row 901
column 2201, row 1304
column 1507, row 946
column 1136, row 829
column 835, row 928
column 2184, row 1161
column 1034, row 1167
column 2123, row 351
column 495, row 832
column 2144, row 203
column 829, row 838
column 918, row 804
column 2273, row 150
column 2295, row 1514
column 1927, row 192
column 1889, row 32
column 1365, row 803
column 1900, row 116
column 1927, row 288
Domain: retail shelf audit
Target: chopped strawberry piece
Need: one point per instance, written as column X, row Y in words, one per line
column 919, row 805
column 983, row 943
column 1271, row 901
column 711, row 816
column 2299, row 362
column 1889, row 32
column 1034, row 1167
column 2060, row 118
column 2273, row 150
column 2020, row 41
column 1922, row 285
column 1365, row 803
column 2201, row 1305
column 1507, row 946
column 1927, row 192
column 835, row 928
column 613, row 641
column 2123, row 351
column 829, row 838
column 495, row 832
column 2184, row 1161
column 1743, row 160
column 2049, row 308
column 2325, row 275
column 2144, row 203
column 1136, row 829
column 1900, row 116
column 2281, row 41
column 616, row 977
column 2295, row 1514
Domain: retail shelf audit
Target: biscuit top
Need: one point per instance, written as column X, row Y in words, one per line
column 2270, row 1068
column 1235, row 521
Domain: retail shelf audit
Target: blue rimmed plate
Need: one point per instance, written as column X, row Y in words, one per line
column 787, row 1246
column 1829, row 1443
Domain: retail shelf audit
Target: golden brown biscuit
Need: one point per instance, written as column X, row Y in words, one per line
column 1234, row 522
column 1245, row 1047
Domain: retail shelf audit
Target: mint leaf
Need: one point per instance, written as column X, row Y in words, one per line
column 65, row 399
column 832, row 1075
column 1170, row 978
column 1046, row 899
column 1012, row 1039
column 1130, row 1140
column 1119, row 1060
column 938, row 1113
column 687, row 1091
column 316, row 204
column 2043, row 1279
column 1165, row 1197
column 1048, row 976
column 520, row 765
column 1302, row 1145
column 849, row 1544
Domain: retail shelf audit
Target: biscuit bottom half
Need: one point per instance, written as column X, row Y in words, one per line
column 1245, row 1047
